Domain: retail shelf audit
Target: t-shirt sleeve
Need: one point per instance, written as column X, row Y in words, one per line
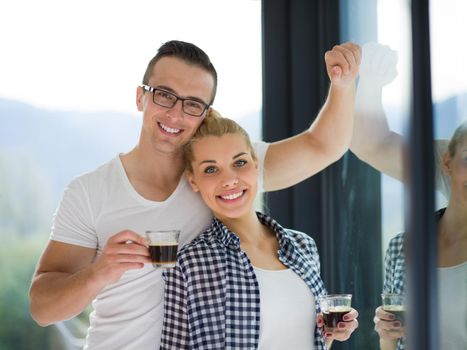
column 443, row 183
column 73, row 222
column 261, row 148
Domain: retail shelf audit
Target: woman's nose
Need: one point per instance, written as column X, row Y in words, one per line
column 230, row 182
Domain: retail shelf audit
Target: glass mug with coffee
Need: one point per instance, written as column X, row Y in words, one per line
column 334, row 307
column 395, row 304
column 163, row 246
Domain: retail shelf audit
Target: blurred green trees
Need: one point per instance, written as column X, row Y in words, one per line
column 25, row 217
column 18, row 256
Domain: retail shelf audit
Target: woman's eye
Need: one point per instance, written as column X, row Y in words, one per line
column 210, row 170
column 240, row 163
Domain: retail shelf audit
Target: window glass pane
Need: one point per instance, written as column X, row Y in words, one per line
column 449, row 91
column 383, row 28
column 68, row 83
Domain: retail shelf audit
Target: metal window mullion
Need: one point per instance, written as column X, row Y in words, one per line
column 421, row 231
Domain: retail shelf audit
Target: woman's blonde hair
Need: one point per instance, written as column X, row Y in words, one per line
column 457, row 138
column 215, row 125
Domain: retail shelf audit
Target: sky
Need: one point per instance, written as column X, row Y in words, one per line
column 448, row 30
column 91, row 55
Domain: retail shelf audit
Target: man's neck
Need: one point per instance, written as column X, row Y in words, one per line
column 154, row 175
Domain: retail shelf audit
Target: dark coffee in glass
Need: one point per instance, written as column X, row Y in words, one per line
column 397, row 310
column 163, row 247
column 163, row 254
column 333, row 315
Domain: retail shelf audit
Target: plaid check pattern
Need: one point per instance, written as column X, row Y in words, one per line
column 394, row 268
column 212, row 298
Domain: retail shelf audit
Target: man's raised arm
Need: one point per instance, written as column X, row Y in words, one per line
column 292, row 160
column 373, row 142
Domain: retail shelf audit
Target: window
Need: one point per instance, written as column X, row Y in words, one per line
column 351, row 210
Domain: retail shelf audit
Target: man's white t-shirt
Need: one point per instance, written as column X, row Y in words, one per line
column 129, row 313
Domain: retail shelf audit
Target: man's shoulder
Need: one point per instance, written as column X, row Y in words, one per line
column 102, row 172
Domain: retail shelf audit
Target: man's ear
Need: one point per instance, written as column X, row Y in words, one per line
column 139, row 98
column 208, row 112
column 191, row 181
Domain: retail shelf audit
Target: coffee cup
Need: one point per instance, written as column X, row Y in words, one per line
column 334, row 307
column 163, row 246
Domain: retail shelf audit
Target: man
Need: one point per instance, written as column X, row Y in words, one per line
column 96, row 252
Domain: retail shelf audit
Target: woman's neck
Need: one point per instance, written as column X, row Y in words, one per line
column 452, row 236
column 258, row 241
column 453, row 223
column 248, row 228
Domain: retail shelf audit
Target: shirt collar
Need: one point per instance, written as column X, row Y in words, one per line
column 228, row 237
column 224, row 234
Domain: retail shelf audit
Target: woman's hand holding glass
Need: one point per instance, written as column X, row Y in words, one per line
column 344, row 329
column 387, row 326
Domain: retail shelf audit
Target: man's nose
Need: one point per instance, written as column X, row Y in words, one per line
column 176, row 111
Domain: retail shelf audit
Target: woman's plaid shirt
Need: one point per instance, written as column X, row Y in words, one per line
column 394, row 268
column 212, row 298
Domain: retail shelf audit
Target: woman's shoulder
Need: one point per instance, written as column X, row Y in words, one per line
column 207, row 241
column 300, row 238
column 396, row 244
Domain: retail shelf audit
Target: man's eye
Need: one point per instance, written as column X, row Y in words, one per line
column 239, row 163
column 164, row 95
column 210, row 170
column 193, row 104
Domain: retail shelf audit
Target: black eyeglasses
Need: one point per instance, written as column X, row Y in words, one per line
column 168, row 100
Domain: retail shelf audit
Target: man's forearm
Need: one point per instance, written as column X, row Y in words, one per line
column 373, row 142
column 314, row 149
column 335, row 121
column 57, row 296
column 370, row 123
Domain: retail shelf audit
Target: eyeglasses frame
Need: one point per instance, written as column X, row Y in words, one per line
column 148, row 88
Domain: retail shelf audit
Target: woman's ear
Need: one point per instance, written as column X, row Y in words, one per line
column 446, row 164
column 191, row 181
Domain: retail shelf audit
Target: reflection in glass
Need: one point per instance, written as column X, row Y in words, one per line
column 383, row 28
column 378, row 140
column 449, row 81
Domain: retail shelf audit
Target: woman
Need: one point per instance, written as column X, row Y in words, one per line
column 245, row 282
column 452, row 260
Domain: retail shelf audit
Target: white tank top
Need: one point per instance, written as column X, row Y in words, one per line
column 288, row 315
column 452, row 283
